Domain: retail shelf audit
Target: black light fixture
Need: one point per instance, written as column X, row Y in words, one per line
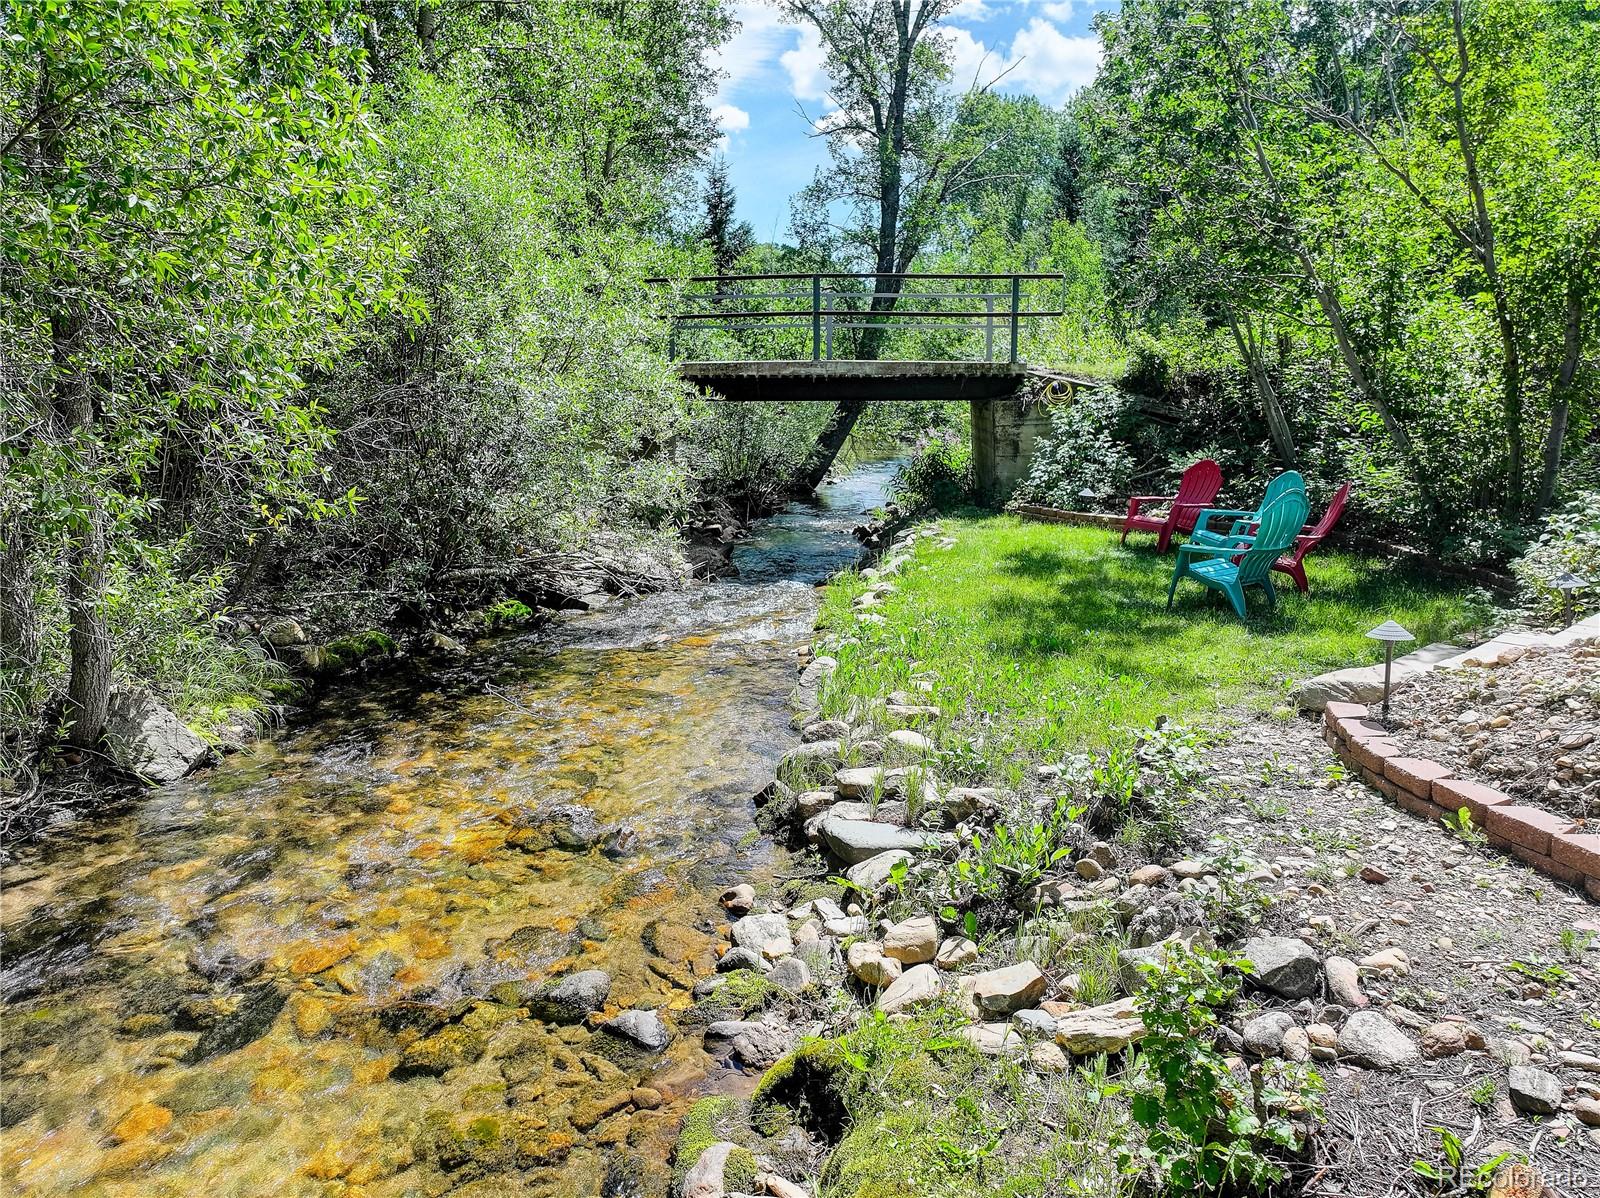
column 1389, row 633
column 1567, row 582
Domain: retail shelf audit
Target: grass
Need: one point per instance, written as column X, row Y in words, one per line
column 1041, row 639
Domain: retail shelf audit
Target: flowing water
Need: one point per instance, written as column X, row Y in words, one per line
column 276, row 977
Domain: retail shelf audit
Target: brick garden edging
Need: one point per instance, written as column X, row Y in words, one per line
column 1552, row 844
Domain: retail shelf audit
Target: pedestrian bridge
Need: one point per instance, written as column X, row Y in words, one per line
column 853, row 339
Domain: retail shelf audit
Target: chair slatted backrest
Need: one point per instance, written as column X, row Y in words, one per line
column 1199, row 485
column 1281, row 522
column 1285, row 481
column 1331, row 516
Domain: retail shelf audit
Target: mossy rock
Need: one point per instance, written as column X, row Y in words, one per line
column 443, row 1051
column 350, row 650
column 710, row 1120
column 806, row 1086
column 895, row 1154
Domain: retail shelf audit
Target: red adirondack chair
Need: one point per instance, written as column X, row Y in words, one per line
column 1196, row 490
column 1293, row 562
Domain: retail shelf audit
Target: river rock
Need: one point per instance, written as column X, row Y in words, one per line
column 143, row 737
column 855, row 841
column 1344, row 982
column 1444, row 1039
column 246, row 1022
column 1296, row 1044
column 741, row 958
column 1370, row 1040
column 1284, row 965
column 912, row 941
column 1264, row 1034
column 761, row 1045
column 1110, row 1027
column 1534, row 1091
column 834, row 730
column 567, row 826
column 764, row 934
column 449, row 1048
column 823, row 752
column 860, row 782
column 1388, row 962
column 955, row 953
column 1148, row 875
column 910, row 742
column 918, row 984
column 791, row 974
column 809, row 804
column 644, row 1028
column 995, row 1039
column 705, row 1177
column 874, row 872
column 738, row 899
column 866, row 963
column 572, row 998
column 963, row 802
column 1002, row 991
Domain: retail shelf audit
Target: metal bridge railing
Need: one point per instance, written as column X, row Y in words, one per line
column 834, row 311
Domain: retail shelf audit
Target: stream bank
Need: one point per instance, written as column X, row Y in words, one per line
column 315, row 968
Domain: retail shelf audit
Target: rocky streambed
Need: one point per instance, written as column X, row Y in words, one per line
column 444, row 939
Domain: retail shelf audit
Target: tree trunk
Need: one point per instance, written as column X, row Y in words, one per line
column 1277, row 424
column 88, row 638
column 829, row 442
column 19, row 628
column 1561, row 395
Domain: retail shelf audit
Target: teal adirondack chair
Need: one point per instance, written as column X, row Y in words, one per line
column 1229, row 569
column 1241, row 530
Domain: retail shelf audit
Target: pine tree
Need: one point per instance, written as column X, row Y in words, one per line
column 728, row 238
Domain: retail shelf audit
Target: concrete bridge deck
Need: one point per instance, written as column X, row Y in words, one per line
column 837, row 380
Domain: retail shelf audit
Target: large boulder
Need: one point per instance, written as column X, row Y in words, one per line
column 764, row 934
column 1284, row 965
column 854, row 841
column 144, row 738
column 912, row 941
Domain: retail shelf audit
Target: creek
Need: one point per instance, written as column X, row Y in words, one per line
column 218, row 991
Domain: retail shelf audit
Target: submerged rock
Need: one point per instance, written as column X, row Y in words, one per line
column 246, row 1022
column 447, row 1049
column 571, row 998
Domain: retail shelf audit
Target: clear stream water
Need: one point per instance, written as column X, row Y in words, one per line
column 215, row 992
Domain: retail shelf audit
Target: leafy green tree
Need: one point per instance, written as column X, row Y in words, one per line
column 187, row 226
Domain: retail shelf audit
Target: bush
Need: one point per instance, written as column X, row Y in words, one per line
column 1207, row 1128
column 939, row 474
column 1570, row 543
column 1080, row 454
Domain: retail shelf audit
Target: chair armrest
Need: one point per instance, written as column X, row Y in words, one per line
column 1212, row 550
column 1203, row 520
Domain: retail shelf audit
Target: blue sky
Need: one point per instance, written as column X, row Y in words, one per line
column 774, row 69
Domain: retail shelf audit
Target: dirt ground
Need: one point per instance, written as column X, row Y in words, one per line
column 1489, row 941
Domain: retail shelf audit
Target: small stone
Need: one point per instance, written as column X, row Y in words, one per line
column 918, row 984
column 739, row 899
column 1534, row 1091
column 912, row 941
column 873, row 873
column 1374, row 875
column 1284, row 965
column 1089, row 869
column 1264, row 1034
column 1034, row 1022
column 1107, row 1028
column 913, row 742
column 644, row 1028
column 1344, row 982
column 955, row 953
column 1296, row 1044
column 1002, row 991
column 866, row 963
column 1587, row 1109
column 1370, row 1040
column 761, row 1046
column 764, row 934
column 791, row 974
column 1444, row 1039
column 741, row 958
column 1388, row 961
column 1148, row 875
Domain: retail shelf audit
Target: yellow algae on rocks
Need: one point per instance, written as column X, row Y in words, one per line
column 146, row 1119
column 367, row 1073
column 311, row 1016
column 319, row 957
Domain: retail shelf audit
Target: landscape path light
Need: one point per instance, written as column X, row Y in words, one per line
column 1088, row 498
column 1388, row 632
column 1567, row 582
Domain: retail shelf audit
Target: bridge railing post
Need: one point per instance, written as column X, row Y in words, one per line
column 816, row 318
column 1016, row 308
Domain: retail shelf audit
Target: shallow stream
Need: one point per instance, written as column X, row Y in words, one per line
column 219, row 991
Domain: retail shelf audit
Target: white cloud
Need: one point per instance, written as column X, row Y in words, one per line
column 761, row 35
column 804, row 63
column 1057, row 10
column 729, row 118
column 975, row 12
column 970, row 60
column 1050, row 64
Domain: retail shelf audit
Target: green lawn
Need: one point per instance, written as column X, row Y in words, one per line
column 1044, row 639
